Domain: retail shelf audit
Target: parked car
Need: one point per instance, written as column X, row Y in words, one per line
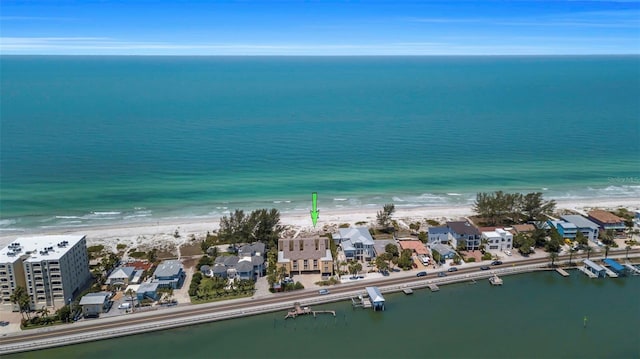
column 507, row 252
column 453, row 269
column 485, row 268
column 421, row 274
column 385, row 273
column 442, row 274
column 323, row 291
column 496, row 263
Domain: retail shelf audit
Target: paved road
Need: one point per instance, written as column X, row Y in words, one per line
column 175, row 314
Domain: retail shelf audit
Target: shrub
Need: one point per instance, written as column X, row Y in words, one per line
column 433, row 223
column 121, row 246
column 95, row 249
column 361, row 223
column 298, row 285
column 138, row 254
column 487, row 256
column 422, row 236
column 344, row 225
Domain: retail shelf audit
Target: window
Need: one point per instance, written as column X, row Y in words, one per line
column 317, row 243
column 301, row 245
column 315, row 264
column 306, row 264
column 290, row 246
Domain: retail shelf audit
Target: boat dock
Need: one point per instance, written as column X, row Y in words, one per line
column 633, row 269
column 299, row 310
column 360, row 301
column 433, row 287
column 610, row 273
column 587, row 272
column 562, row 272
column 408, row 291
column 495, row 280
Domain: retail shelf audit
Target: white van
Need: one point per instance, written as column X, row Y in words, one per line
column 126, row 305
column 507, row 252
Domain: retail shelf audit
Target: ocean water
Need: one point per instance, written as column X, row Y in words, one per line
column 103, row 140
column 535, row 315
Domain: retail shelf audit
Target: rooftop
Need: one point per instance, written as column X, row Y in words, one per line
column 40, row 248
column 464, row 228
column 356, row 235
column 605, row 217
column 520, row 228
column 94, row 298
column 308, row 250
column 168, row 268
column 416, row 246
column 580, row 221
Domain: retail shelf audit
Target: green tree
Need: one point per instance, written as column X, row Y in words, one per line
column 553, row 256
column 535, row 209
column 581, row 239
column 571, row 251
column 539, row 237
column 457, row 259
column 588, row 249
column 354, row 268
column 131, row 294
column 607, row 236
column 384, row 216
column 265, row 226
column 436, row 256
column 405, row 261
column 64, row 313
column 235, row 228
column 381, row 264
column 606, row 251
column 21, row 298
column 391, row 249
column 204, row 260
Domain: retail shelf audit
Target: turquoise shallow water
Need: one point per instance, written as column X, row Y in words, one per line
column 97, row 140
column 535, row 315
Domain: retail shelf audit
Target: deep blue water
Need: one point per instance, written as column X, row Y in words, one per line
column 88, row 140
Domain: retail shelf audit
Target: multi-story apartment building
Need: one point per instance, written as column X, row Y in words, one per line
column 53, row 269
column 308, row 255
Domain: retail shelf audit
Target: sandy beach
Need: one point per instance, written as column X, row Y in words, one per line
column 162, row 234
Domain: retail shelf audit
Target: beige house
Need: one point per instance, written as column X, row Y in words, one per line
column 305, row 255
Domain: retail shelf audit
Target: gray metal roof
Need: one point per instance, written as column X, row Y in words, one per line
column 580, row 221
column 358, row 234
column 148, row 287
column 169, row 268
column 229, row 261
column 122, row 272
column 439, row 230
column 244, row 266
column 94, row 298
column 442, row 249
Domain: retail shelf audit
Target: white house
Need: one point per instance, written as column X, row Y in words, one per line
column 356, row 243
column 498, row 240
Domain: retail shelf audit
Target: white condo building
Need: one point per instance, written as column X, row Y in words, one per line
column 498, row 240
column 53, row 269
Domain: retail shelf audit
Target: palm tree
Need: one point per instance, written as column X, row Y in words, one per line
column 21, row 298
column 571, row 251
column 553, row 256
column 131, row 293
column 606, row 251
column 627, row 248
column 588, row 249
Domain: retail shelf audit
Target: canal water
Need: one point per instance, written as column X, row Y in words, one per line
column 534, row 315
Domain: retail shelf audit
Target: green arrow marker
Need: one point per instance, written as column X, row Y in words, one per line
column 314, row 208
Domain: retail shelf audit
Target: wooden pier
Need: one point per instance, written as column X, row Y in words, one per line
column 360, row 301
column 298, row 310
column 562, row 272
column 408, row 291
column 433, row 287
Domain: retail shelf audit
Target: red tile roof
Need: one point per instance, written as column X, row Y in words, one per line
column 416, row 246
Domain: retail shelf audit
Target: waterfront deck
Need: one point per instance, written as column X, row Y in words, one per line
column 299, row 310
column 408, row 291
column 633, row 269
column 610, row 273
column 587, row 272
column 495, row 280
column 562, row 272
column 433, row 287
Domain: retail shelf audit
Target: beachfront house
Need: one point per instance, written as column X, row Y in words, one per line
column 169, row 274
column 588, row 228
column 121, row 276
column 356, row 243
column 380, row 245
column 438, row 235
column 465, row 234
column 565, row 229
column 93, row 304
column 305, row 255
column 148, row 291
column 497, row 240
column 249, row 264
column 607, row 220
column 523, row 228
column 443, row 250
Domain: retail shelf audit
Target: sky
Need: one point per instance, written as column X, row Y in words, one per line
column 288, row 27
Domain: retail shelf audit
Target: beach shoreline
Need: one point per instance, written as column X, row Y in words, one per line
column 162, row 232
